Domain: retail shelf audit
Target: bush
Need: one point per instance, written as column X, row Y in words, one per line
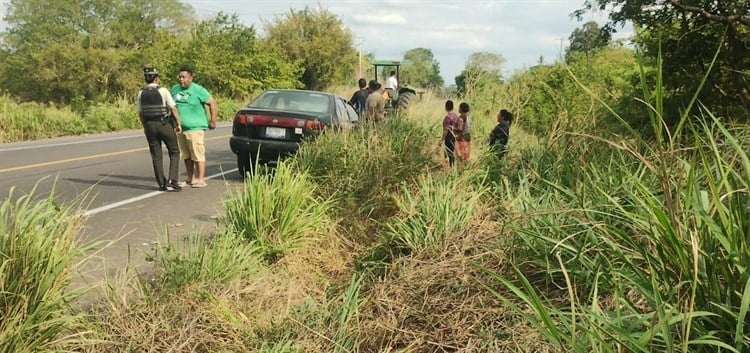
column 108, row 118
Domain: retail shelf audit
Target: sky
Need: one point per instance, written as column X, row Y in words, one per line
column 521, row 31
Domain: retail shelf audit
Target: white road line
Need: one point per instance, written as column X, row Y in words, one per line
column 68, row 143
column 110, row 206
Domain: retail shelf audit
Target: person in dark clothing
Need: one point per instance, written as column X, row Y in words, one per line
column 161, row 123
column 500, row 134
column 359, row 99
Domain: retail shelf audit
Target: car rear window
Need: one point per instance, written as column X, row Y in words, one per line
column 308, row 102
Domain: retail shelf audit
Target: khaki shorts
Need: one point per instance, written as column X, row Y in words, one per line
column 192, row 146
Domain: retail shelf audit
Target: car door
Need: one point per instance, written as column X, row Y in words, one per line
column 352, row 114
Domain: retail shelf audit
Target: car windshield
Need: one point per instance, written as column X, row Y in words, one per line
column 308, row 102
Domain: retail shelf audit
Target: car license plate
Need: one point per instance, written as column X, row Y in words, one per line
column 275, row 132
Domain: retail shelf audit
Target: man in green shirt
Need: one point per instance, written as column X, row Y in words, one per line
column 192, row 99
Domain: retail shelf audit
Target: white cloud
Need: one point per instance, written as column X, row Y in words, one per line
column 3, row 12
column 381, row 19
column 468, row 27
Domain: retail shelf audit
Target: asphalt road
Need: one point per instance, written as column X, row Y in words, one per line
column 112, row 173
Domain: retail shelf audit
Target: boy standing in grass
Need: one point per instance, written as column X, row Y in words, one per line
column 500, row 134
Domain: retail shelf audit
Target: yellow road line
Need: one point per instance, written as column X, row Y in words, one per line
column 36, row 165
column 69, row 160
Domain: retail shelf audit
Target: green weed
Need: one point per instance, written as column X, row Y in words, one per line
column 439, row 206
column 361, row 168
column 277, row 211
column 37, row 262
column 647, row 245
column 200, row 259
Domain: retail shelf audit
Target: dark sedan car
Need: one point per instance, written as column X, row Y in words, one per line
column 277, row 121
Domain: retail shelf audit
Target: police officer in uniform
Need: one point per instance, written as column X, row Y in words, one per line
column 161, row 123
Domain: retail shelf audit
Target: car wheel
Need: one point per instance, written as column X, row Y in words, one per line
column 244, row 164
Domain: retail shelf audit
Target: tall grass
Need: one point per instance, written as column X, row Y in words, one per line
column 440, row 206
column 277, row 211
column 361, row 168
column 187, row 303
column 641, row 272
column 648, row 248
column 30, row 121
column 344, row 317
column 37, row 262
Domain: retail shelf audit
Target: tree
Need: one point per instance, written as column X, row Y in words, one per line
column 548, row 97
column 60, row 50
column 482, row 71
column 688, row 34
column 588, row 39
column 230, row 60
column 422, row 70
column 318, row 42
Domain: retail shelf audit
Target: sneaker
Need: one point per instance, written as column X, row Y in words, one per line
column 199, row 185
column 163, row 188
column 173, row 186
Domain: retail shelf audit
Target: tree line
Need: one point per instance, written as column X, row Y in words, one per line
column 689, row 40
column 95, row 49
column 685, row 51
column 72, row 50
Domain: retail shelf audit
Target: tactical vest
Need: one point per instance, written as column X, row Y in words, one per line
column 152, row 104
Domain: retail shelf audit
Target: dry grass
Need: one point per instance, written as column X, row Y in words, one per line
column 274, row 304
column 196, row 319
column 437, row 302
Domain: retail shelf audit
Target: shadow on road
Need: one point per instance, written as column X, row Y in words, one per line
column 127, row 181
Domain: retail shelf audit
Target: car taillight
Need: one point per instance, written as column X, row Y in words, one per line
column 250, row 119
column 287, row 122
column 315, row 125
column 243, row 119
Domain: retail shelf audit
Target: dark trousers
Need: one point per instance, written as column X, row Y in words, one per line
column 156, row 133
column 450, row 148
column 499, row 149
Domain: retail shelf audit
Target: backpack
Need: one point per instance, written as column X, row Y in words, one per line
column 152, row 104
